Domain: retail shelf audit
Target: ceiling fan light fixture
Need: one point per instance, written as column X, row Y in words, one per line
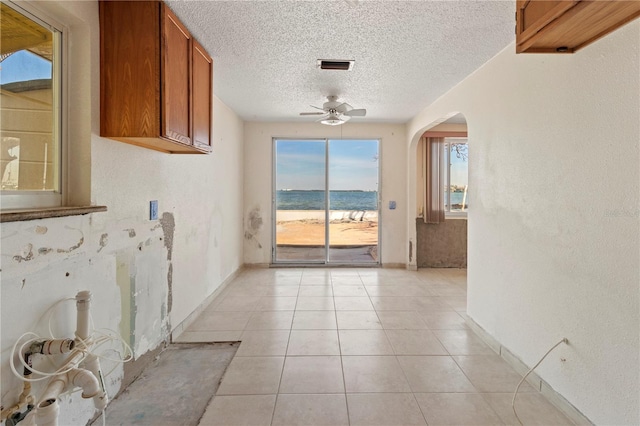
column 332, row 120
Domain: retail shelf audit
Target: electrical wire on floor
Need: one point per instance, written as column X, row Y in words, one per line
column 515, row 394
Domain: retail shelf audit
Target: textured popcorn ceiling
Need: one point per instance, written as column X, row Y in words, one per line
column 407, row 53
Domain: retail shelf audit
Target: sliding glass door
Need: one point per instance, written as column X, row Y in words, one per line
column 353, row 201
column 325, row 198
column 300, row 200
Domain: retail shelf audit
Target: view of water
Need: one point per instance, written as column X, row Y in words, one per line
column 338, row 200
column 456, row 198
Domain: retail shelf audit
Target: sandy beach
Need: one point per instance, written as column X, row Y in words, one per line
column 311, row 232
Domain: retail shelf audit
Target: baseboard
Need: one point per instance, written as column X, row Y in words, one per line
column 180, row 328
column 256, row 265
column 559, row 401
column 394, row 265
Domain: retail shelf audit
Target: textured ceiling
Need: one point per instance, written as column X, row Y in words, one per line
column 407, row 53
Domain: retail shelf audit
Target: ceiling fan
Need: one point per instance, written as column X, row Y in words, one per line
column 335, row 113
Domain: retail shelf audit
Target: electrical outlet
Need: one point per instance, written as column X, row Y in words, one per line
column 153, row 210
column 392, row 205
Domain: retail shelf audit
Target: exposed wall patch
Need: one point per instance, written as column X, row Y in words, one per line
column 168, row 227
column 73, row 247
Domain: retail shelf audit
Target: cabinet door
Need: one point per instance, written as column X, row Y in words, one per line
column 129, row 69
column 533, row 15
column 176, row 71
column 202, row 94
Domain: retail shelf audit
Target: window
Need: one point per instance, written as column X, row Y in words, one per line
column 31, row 105
column 456, row 179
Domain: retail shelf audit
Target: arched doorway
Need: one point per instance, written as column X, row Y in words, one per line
column 439, row 183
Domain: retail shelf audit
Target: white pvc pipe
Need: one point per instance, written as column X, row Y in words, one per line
column 100, row 399
column 83, row 304
column 85, row 380
column 55, row 387
column 47, row 413
column 91, row 362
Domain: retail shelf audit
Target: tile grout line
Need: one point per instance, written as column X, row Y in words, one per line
column 344, row 380
column 284, row 360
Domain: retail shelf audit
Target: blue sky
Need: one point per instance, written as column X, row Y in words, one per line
column 459, row 170
column 459, row 167
column 24, row 66
column 353, row 164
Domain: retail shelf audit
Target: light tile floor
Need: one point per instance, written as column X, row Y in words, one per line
column 358, row 347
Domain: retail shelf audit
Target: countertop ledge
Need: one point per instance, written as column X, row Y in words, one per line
column 33, row 214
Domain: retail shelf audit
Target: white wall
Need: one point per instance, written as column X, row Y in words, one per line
column 123, row 258
column 258, row 182
column 554, row 223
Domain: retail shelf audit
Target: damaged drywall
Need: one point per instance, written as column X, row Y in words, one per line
column 254, row 225
column 26, row 255
column 168, row 227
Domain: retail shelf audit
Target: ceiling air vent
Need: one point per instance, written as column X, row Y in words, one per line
column 335, row 64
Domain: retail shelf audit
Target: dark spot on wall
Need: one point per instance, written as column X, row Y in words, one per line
column 132, row 232
column 24, row 281
column 44, row 250
column 26, row 257
column 104, row 239
column 254, row 224
column 250, row 236
column 410, row 251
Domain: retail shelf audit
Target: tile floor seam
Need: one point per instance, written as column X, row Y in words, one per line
column 491, row 407
column 446, row 349
column 424, row 416
column 344, row 380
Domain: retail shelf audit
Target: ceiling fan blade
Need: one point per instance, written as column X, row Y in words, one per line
column 356, row 112
column 312, row 106
column 312, row 113
column 343, row 107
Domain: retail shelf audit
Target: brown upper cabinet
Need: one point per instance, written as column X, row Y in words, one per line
column 155, row 79
column 564, row 26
